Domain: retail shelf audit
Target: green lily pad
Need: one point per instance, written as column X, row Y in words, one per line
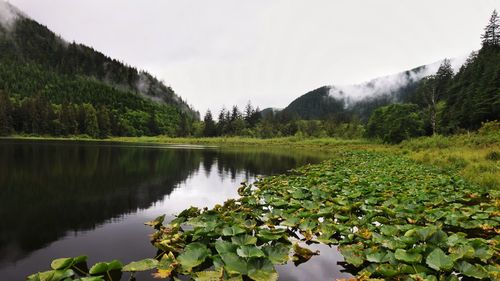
column 408, row 257
column 472, row 270
column 61, row 263
column 278, row 253
column 244, row 239
column 142, row 265
column 438, row 260
column 234, row 264
column 232, row 230
column 270, row 235
column 262, row 270
column 194, row 254
column 249, row 252
column 353, row 254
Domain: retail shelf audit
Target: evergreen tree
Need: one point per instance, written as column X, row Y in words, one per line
column 184, row 128
column 209, row 129
column 153, row 126
column 90, row 120
column 41, row 113
column 67, row 119
column 222, row 122
column 104, row 122
column 248, row 111
column 5, row 115
column 491, row 36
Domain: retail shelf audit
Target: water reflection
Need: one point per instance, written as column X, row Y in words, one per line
column 66, row 199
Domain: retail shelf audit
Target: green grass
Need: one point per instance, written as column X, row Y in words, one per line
column 473, row 156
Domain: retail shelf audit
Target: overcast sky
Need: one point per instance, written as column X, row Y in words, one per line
column 225, row 52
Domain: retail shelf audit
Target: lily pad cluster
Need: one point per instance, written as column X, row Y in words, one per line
column 390, row 218
column 76, row 269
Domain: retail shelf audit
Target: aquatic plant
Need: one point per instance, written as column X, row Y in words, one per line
column 390, row 217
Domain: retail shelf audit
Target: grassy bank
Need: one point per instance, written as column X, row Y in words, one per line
column 475, row 156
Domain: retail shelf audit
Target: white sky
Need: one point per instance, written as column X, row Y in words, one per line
column 225, row 52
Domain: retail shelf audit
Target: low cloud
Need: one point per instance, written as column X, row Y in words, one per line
column 8, row 14
column 387, row 85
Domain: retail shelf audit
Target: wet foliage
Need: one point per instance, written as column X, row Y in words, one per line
column 391, row 218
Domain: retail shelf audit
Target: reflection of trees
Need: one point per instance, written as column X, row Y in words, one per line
column 46, row 190
column 49, row 189
column 253, row 162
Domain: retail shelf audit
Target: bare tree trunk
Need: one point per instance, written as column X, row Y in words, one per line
column 433, row 111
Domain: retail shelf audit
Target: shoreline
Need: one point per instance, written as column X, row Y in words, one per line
column 473, row 156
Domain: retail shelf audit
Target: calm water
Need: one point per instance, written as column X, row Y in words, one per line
column 60, row 199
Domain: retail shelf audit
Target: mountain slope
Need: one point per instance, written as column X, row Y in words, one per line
column 344, row 102
column 26, row 41
column 50, row 86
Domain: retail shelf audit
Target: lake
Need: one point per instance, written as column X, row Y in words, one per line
column 66, row 198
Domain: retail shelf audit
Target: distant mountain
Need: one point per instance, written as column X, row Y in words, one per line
column 343, row 102
column 270, row 111
column 26, row 43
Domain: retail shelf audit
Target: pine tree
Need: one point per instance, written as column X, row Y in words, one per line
column 67, row 119
column 223, row 120
column 91, row 125
column 491, row 36
column 184, row 128
column 103, row 122
column 209, row 129
column 5, row 115
column 153, row 127
column 248, row 111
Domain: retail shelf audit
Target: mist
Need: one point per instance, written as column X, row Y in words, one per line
column 386, row 85
column 8, row 14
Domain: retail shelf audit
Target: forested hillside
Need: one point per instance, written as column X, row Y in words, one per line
column 344, row 103
column 46, row 80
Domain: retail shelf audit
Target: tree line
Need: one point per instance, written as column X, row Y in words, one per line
column 38, row 116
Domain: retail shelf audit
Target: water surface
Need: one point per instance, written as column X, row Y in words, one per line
column 60, row 199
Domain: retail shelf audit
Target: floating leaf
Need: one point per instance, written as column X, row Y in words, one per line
column 261, row 270
column 99, row 268
column 234, row 264
column 209, row 276
column 157, row 222
column 61, row 263
column 232, row 230
column 225, row 247
column 194, row 254
column 407, row 256
column 472, row 270
column 244, row 239
column 353, row 254
column 438, row 260
column 249, row 252
column 270, row 235
column 278, row 253
column 142, row 265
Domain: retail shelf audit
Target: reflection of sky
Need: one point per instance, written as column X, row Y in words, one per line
column 201, row 189
column 126, row 238
column 322, row 267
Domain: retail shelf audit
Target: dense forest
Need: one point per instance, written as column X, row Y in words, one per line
column 51, row 87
